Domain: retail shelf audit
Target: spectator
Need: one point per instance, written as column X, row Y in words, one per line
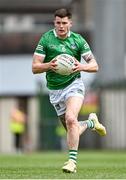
column 18, row 127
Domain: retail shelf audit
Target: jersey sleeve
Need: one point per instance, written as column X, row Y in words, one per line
column 40, row 49
column 84, row 46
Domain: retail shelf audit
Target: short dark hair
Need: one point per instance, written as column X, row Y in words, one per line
column 63, row 12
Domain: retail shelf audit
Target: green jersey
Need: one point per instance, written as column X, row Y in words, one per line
column 50, row 46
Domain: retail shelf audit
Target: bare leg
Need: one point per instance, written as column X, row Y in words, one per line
column 82, row 127
column 82, row 124
column 73, row 106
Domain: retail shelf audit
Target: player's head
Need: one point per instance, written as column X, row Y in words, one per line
column 63, row 13
column 62, row 22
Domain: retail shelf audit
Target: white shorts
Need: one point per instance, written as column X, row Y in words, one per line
column 59, row 97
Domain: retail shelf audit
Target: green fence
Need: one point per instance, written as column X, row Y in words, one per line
column 48, row 123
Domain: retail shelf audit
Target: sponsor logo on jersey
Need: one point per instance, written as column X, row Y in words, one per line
column 52, row 46
column 63, row 49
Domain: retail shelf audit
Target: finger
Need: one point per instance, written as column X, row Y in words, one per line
column 54, row 65
column 54, row 69
column 75, row 68
column 76, row 61
column 53, row 60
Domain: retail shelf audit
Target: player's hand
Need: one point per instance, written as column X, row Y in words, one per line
column 78, row 66
column 53, row 65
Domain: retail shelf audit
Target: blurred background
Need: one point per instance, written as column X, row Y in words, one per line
column 102, row 23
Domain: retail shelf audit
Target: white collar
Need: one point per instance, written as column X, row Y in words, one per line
column 54, row 31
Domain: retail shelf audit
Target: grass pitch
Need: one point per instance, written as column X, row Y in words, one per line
column 47, row 165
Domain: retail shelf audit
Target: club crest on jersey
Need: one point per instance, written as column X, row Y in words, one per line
column 73, row 46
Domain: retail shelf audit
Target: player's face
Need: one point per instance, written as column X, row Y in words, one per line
column 62, row 26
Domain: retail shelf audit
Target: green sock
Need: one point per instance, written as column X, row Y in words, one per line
column 90, row 124
column 73, row 155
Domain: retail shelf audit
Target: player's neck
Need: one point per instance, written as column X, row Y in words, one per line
column 62, row 36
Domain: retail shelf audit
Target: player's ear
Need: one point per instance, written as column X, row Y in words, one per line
column 71, row 23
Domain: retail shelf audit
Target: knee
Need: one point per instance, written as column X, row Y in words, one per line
column 70, row 121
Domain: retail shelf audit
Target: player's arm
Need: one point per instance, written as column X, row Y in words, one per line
column 90, row 65
column 39, row 66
